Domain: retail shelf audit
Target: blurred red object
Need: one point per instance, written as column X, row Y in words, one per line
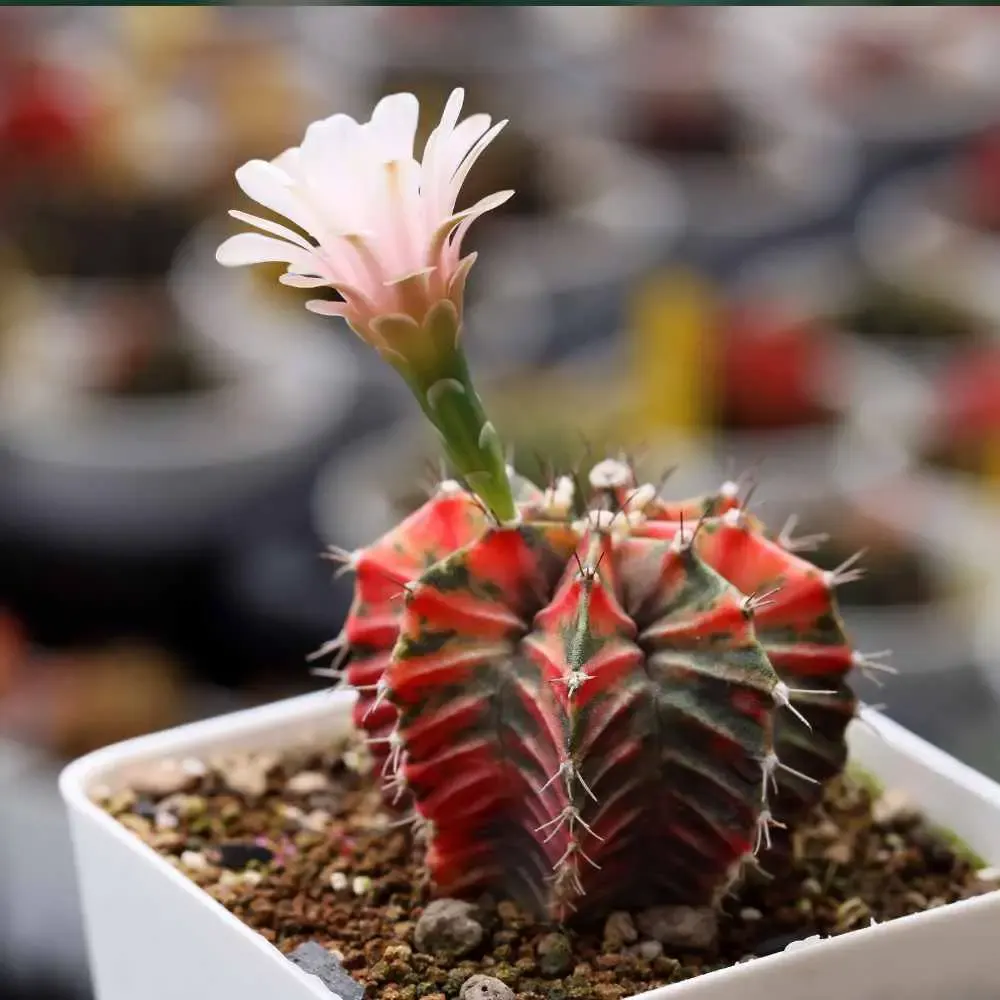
column 771, row 365
column 43, row 119
column 969, row 396
column 979, row 177
column 13, row 650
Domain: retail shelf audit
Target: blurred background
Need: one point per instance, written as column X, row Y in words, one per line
column 745, row 240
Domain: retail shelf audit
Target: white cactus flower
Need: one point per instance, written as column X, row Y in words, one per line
column 372, row 221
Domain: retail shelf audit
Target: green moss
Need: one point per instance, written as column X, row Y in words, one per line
column 875, row 788
column 959, row 846
column 865, row 779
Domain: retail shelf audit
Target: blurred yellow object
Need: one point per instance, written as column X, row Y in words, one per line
column 121, row 96
column 991, row 464
column 671, row 319
column 266, row 118
column 19, row 295
column 157, row 37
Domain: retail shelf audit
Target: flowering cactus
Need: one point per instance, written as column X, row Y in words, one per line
column 589, row 696
column 388, row 239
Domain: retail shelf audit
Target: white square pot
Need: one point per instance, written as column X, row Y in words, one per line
column 154, row 935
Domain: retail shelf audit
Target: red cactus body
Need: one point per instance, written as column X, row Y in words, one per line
column 585, row 710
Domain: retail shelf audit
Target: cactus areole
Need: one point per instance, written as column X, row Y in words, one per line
column 586, row 696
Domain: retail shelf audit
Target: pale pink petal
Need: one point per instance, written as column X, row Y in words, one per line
column 410, row 276
column 302, row 281
column 401, row 230
column 463, row 171
column 271, row 227
column 288, row 161
column 394, row 126
column 252, row 248
column 271, row 187
column 466, row 217
column 454, row 148
column 323, row 308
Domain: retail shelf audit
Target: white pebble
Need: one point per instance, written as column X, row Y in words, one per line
column 358, row 762
column 988, row 874
column 338, row 881
column 307, row 782
column 166, row 820
column 194, row 767
column 360, row 885
column 293, row 813
column 317, row 821
column 194, row 860
column 749, row 914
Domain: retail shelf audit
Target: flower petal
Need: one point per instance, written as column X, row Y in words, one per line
column 466, row 165
column 252, row 248
column 303, row 281
column 394, row 125
column 271, row 227
column 271, row 187
column 463, row 220
column 324, row 308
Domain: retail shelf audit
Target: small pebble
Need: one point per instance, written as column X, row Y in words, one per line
column 164, row 777
column 338, row 881
column 248, row 775
column 166, row 821
column 811, row 888
column 359, row 762
column 194, row 767
column 316, row 821
column 894, row 807
column 184, row 806
column 749, row 914
column 448, row 927
column 840, row 853
column 680, row 926
column 647, row 950
column 360, row 885
column 485, row 988
column 555, row 954
column 236, row 855
column 136, row 824
column 120, row 802
column 396, row 952
column 318, row 961
column 194, row 860
column 850, row 913
column 308, row 782
column 236, row 880
column 100, row 794
column 619, row 929
column 146, row 808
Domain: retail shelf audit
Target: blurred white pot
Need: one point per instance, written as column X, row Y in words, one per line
column 793, row 165
column 149, row 461
column 908, row 239
column 779, row 55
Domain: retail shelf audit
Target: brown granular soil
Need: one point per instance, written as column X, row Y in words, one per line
column 315, row 857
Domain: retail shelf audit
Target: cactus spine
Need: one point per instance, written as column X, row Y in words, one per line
column 609, row 703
